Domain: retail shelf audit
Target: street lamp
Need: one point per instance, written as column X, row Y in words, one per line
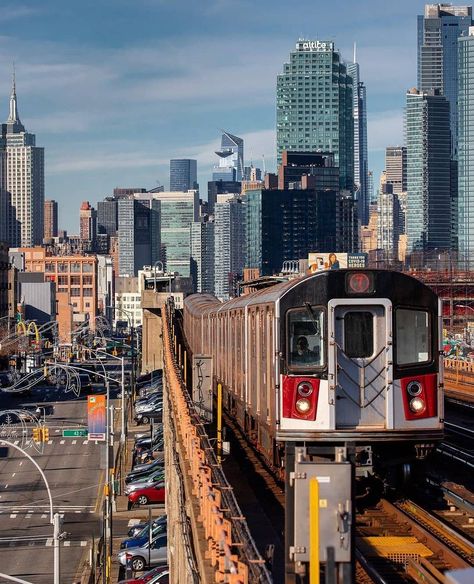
column 129, row 316
column 122, row 416
column 53, row 517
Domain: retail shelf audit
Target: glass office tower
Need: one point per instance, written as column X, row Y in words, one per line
column 438, row 32
column 183, row 174
column 361, row 164
column 428, row 222
column 466, row 151
column 315, row 106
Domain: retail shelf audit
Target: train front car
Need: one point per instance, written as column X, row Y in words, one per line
column 360, row 365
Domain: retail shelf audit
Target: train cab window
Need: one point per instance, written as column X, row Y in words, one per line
column 305, row 337
column 358, row 334
column 413, row 338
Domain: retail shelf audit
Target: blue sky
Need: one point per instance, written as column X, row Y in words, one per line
column 115, row 88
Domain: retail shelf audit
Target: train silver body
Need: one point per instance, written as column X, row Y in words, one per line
column 371, row 372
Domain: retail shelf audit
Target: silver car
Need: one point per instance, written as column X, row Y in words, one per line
column 141, row 557
column 154, row 480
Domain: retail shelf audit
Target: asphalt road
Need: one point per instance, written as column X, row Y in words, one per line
column 73, row 468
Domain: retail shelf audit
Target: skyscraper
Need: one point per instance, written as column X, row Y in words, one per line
column 361, row 165
column 396, row 168
column 315, row 106
column 178, row 210
column 465, row 216
column 50, row 219
column 230, row 230
column 107, row 216
column 183, row 174
column 231, row 159
column 428, row 223
column 25, row 180
column 138, row 234
column 438, row 32
column 88, row 222
column 202, row 256
column 4, row 203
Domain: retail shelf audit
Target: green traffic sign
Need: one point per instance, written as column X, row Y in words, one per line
column 75, row 433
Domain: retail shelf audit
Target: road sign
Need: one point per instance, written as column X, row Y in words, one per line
column 75, row 433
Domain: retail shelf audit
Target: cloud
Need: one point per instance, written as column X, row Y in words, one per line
column 8, row 13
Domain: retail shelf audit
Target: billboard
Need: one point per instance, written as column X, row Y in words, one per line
column 335, row 260
column 96, row 417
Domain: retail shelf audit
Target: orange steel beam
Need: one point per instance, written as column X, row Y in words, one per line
column 218, row 530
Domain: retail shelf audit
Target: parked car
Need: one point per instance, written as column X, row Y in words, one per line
column 149, row 403
column 146, row 417
column 158, row 575
column 143, row 474
column 141, row 557
column 153, row 494
column 156, row 478
column 138, row 527
column 158, row 457
column 143, row 537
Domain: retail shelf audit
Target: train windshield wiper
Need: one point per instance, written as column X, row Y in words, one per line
column 314, row 322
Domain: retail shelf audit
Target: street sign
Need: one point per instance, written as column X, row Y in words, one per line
column 75, row 433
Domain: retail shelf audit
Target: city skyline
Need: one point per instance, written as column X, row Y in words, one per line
column 110, row 113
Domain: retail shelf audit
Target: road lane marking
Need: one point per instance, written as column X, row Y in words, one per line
column 67, row 544
column 44, row 516
column 6, row 486
column 85, row 441
column 74, row 442
column 50, row 441
column 16, row 442
column 13, row 474
column 49, row 542
column 12, row 516
column 21, row 462
column 83, row 543
column 62, row 441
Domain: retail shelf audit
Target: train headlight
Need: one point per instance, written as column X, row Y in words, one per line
column 304, row 389
column 414, row 388
column 303, row 405
column 417, row 405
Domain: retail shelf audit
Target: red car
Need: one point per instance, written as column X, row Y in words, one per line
column 154, row 494
column 149, row 576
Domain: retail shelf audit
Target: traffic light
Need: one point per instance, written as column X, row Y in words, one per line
column 45, row 432
column 37, row 434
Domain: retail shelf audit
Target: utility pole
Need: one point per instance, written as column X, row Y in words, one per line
column 56, row 527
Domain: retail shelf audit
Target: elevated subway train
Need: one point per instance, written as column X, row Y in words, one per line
column 339, row 357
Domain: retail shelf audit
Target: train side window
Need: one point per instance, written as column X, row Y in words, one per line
column 413, row 336
column 305, row 337
column 358, row 334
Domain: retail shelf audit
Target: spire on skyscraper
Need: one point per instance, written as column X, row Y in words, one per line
column 14, row 124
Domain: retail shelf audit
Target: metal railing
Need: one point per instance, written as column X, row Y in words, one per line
column 232, row 551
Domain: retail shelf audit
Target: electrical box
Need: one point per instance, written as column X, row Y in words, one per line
column 334, row 509
column 202, row 385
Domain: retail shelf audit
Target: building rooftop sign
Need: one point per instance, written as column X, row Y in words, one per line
column 314, row 46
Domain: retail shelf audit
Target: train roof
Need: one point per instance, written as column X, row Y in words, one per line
column 209, row 303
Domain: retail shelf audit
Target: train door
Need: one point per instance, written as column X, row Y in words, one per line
column 360, row 363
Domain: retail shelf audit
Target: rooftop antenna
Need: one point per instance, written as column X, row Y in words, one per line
column 355, row 52
column 263, row 164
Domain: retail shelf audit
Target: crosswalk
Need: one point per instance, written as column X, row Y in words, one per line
column 41, row 541
column 25, row 513
column 69, row 441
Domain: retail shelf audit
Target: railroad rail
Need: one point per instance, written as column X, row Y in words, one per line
column 404, row 543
